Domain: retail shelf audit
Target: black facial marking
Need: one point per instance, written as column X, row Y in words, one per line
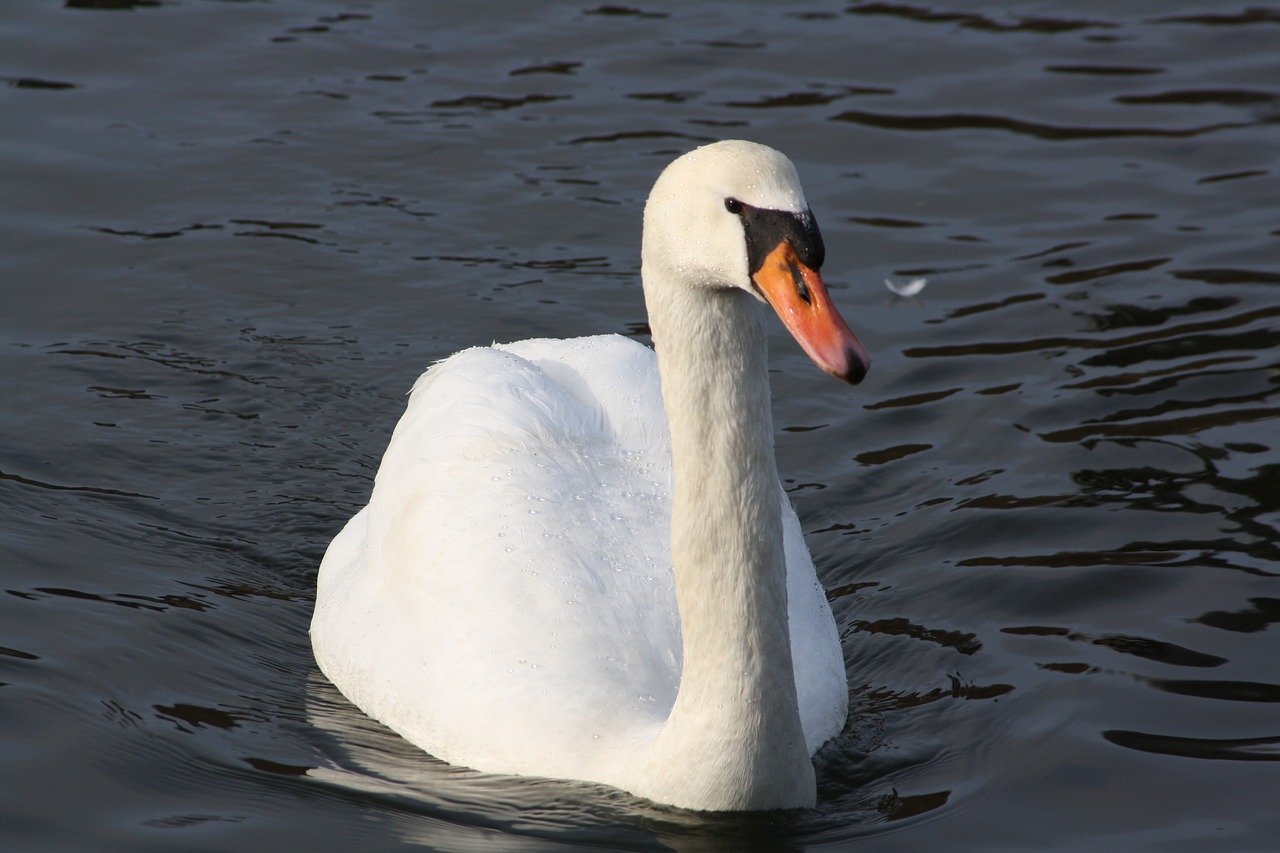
column 765, row 229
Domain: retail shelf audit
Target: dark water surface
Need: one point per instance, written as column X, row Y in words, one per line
column 234, row 233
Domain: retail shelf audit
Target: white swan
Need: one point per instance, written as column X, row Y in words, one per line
column 550, row 581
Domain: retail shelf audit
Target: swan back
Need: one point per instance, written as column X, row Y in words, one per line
column 486, row 604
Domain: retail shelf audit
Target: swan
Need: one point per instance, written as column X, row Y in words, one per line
column 578, row 561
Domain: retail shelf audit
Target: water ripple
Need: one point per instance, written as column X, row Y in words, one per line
column 947, row 122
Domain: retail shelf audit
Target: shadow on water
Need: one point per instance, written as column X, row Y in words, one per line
column 368, row 762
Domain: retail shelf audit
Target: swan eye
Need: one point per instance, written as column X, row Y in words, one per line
column 733, row 206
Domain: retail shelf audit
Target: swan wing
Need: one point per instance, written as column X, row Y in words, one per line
column 505, row 600
column 821, row 687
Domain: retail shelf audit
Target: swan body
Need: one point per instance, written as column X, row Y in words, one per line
column 578, row 561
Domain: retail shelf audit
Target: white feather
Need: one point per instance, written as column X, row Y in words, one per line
column 907, row 290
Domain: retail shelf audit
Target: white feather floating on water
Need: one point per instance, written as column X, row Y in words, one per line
column 911, row 288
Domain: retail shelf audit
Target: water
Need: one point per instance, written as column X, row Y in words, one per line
column 234, row 233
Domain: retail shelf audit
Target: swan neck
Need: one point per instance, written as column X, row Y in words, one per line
column 736, row 717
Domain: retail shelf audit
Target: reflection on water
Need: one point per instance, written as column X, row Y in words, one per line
column 1048, row 522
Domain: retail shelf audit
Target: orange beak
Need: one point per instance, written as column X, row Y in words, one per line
column 797, row 293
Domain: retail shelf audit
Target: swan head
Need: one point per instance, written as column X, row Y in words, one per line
column 732, row 214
